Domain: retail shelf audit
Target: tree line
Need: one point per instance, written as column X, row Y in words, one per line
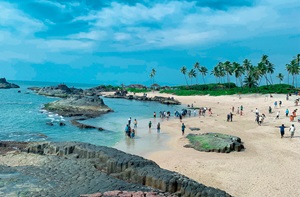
column 246, row 74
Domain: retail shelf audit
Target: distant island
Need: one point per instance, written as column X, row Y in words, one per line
column 6, row 85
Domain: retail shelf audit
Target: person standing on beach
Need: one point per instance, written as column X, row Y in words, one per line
column 158, row 127
column 275, row 104
column 149, row 124
column 182, row 128
column 287, row 112
column 135, row 123
column 270, row 109
column 241, row 108
column 280, row 103
column 292, row 130
column 277, row 115
column 154, row 115
column 281, row 128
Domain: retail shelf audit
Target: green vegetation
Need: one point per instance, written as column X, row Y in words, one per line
column 137, row 90
column 228, row 89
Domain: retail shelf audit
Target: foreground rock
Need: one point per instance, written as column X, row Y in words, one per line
column 72, row 169
column 5, row 85
column 83, row 106
column 214, row 142
column 160, row 99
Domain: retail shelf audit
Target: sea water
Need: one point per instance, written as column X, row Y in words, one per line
column 21, row 119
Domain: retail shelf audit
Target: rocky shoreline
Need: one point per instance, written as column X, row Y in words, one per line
column 160, row 99
column 74, row 169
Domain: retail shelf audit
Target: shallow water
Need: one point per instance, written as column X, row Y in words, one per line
column 21, row 119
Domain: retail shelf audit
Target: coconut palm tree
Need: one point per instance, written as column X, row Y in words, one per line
column 280, row 77
column 203, row 70
column 192, row 74
column 247, row 65
column 218, row 71
column 183, row 70
column 250, row 81
column 288, row 68
column 196, row 68
column 228, row 70
column 152, row 75
column 238, row 71
column 295, row 70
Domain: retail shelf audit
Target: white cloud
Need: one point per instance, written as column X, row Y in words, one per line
column 52, row 3
column 92, row 35
column 181, row 23
column 13, row 19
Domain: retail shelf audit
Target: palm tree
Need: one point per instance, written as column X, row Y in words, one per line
column 250, row 81
column 203, row 70
column 238, row 71
column 280, row 77
column 196, row 68
column 295, row 70
column 192, row 74
column 288, row 68
column 228, row 70
column 183, row 71
column 216, row 73
column 152, row 74
column 247, row 65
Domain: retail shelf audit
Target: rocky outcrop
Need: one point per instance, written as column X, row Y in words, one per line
column 61, row 91
column 132, row 169
column 85, row 126
column 6, row 85
column 160, row 99
column 82, row 106
column 215, row 142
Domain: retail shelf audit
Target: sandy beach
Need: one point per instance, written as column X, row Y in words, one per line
column 267, row 167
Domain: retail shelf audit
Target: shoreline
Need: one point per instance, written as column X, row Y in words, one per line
column 260, row 170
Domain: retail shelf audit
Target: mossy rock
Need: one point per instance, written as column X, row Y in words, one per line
column 214, row 142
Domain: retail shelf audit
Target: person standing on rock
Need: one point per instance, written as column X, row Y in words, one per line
column 182, row 128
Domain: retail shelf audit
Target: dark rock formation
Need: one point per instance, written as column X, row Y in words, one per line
column 131, row 169
column 88, row 107
column 61, row 91
column 5, row 85
column 194, row 129
column 85, row 126
column 163, row 100
column 214, row 142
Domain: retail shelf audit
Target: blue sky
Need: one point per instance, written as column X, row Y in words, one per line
column 114, row 42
